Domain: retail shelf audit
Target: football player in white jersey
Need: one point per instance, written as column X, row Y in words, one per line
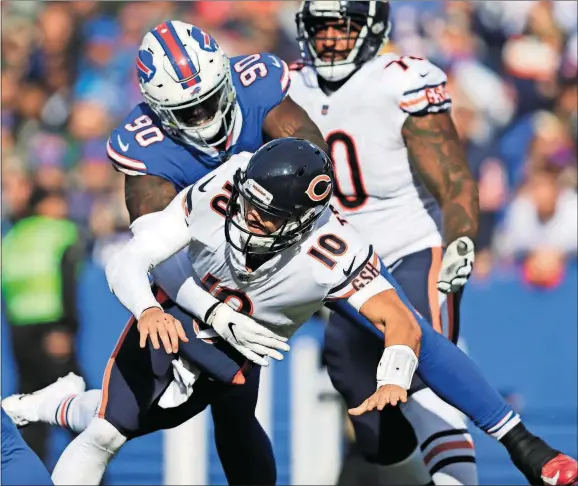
column 259, row 236
column 402, row 180
column 330, row 262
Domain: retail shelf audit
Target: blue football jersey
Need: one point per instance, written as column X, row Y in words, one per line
column 140, row 145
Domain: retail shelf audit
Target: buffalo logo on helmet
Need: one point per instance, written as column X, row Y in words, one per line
column 205, row 41
column 145, row 66
column 319, row 188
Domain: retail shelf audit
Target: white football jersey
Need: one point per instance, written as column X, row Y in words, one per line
column 376, row 189
column 332, row 262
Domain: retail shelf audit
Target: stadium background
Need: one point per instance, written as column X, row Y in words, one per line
column 68, row 76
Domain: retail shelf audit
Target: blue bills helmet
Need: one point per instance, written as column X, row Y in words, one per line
column 366, row 23
column 289, row 181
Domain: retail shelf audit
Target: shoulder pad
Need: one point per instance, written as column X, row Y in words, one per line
column 135, row 147
column 339, row 253
column 302, row 74
column 140, row 146
column 214, row 181
column 263, row 76
column 423, row 86
column 127, row 163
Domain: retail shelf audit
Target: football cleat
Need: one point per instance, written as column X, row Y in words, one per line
column 26, row 408
column 562, row 470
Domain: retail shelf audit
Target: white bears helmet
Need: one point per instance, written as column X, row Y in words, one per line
column 186, row 80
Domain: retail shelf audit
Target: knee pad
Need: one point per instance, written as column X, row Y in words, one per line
column 104, row 435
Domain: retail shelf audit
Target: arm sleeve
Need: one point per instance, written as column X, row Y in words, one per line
column 174, row 276
column 156, row 237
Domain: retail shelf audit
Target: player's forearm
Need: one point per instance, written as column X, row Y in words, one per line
column 389, row 314
column 157, row 237
column 174, row 277
column 460, row 214
column 312, row 134
column 127, row 276
column 402, row 339
column 401, row 328
column 438, row 157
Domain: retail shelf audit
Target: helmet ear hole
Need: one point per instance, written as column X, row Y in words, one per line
column 301, row 171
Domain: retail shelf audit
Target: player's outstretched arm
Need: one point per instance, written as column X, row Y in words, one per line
column 156, row 237
column 147, row 194
column 288, row 119
column 397, row 366
column 437, row 154
column 247, row 336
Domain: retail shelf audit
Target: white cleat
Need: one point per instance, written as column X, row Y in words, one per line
column 24, row 409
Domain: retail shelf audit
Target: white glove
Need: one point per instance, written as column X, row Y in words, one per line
column 456, row 265
column 251, row 339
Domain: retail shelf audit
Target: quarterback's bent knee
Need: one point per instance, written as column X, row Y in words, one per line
column 104, row 435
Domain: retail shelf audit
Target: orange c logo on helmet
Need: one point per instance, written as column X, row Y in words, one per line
column 317, row 184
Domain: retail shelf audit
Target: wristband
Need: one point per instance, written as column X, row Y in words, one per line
column 397, row 366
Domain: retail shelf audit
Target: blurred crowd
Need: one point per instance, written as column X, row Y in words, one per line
column 68, row 77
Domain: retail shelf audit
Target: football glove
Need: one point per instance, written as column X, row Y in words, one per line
column 457, row 265
column 251, row 339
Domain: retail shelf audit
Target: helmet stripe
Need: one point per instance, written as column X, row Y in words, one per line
column 191, row 67
column 142, row 67
column 175, row 50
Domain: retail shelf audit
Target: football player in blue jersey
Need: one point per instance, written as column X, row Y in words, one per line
column 19, row 463
column 200, row 108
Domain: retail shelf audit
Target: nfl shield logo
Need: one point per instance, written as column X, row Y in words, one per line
column 324, row 109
